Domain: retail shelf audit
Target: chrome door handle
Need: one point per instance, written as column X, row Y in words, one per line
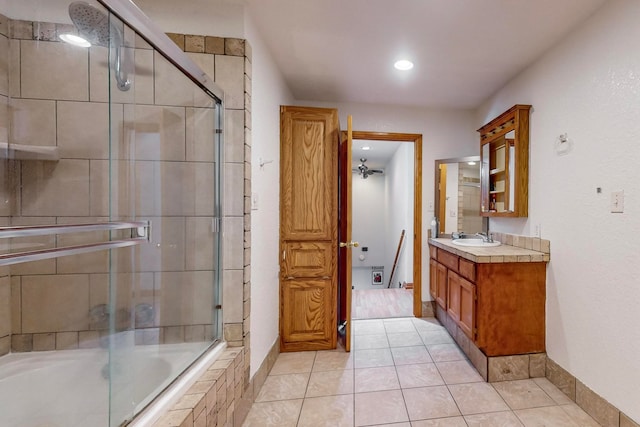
column 350, row 244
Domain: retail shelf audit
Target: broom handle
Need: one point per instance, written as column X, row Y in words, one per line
column 395, row 261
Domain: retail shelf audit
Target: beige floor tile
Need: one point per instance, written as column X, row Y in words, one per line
column 419, row 375
column 441, row 422
column 409, row 355
column 394, row 326
column 404, row 339
column 579, row 416
column 329, row 411
column 436, row 337
column 426, row 324
column 554, row 392
column 394, row 425
column 458, row 372
column 477, row 398
column 333, row 360
column 523, row 394
column 445, row 352
column 373, row 358
column 376, row 379
column 274, row 414
column 366, row 342
column 380, row 407
column 494, row 419
column 283, row 387
column 550, row 416
column 293, row 363
column 429, row 402
column 366, row 327
column 330, row 383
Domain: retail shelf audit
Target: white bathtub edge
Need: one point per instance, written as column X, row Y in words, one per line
column 169, row 397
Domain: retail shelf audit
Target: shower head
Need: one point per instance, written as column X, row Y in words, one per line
column 98, row 29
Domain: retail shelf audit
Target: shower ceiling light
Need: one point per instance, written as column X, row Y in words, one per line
column 403, row 65
column 75, row 40
column 471, row 163
column 366, row 147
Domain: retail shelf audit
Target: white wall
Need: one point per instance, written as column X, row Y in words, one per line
column 588, row 86
column 269, row 92
column 368, row 212
column 445, row 134
column 399, row 208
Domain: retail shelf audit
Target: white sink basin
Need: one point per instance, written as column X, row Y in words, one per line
column 478, row 243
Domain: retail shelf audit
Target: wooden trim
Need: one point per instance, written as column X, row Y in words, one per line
column 416, row 138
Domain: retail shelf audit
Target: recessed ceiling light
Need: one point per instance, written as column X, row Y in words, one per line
column 471, row 163
column 75, row 40
column 403, row 65
column 366, row 147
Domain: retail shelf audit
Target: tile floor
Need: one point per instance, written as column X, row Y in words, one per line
column 403, row 372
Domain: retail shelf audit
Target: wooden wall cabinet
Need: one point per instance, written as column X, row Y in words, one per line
column 500, row 307
column 504, row 164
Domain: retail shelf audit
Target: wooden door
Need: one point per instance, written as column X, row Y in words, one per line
column 345, row 259
column 308, row 228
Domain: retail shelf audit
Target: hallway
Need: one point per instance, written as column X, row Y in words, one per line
column 403, row 372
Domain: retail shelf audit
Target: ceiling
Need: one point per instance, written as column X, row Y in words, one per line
column 463, row 50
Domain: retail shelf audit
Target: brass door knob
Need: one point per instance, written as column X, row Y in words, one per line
column 351, row 244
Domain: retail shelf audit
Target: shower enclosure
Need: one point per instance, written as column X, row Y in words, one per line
column 110, row 183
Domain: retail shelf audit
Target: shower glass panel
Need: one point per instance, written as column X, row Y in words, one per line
column 109, row 216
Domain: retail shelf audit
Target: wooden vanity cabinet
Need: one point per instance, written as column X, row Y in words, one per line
column 500, row 307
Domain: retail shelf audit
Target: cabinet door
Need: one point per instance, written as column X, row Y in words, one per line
column 467, row 319
column 441, row 280
column 433, row 278
column 453, row 301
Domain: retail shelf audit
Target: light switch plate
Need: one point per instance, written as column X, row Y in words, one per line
column 617, row 201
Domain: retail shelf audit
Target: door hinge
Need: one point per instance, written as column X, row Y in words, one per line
column 215, row 225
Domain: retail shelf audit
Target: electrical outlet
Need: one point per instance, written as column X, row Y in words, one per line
column 254, row 201
column 537, row 230
column 617, row 201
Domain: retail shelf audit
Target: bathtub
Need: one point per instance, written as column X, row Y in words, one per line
column 68, row 388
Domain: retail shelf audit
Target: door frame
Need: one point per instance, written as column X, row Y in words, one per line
column 416, row 138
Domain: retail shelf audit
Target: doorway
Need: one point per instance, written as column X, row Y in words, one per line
column 386, row 213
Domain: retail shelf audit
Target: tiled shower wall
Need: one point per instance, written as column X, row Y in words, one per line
column 59, row 97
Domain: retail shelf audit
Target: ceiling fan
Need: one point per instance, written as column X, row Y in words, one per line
column 364, row 170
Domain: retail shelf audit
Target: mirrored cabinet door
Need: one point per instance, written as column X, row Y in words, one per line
column 504, row 167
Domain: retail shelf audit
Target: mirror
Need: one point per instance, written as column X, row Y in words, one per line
column 504, row 150
column 457, row 195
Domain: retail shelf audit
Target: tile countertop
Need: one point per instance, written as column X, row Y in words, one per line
column 493, row 254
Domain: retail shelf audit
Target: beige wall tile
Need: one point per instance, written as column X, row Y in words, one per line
column 229, row 76
column 5, row 306
column 66, row 340
column 140, row 76
column 156, row 132
column 4, row 65
column 44, row 342
column 83, row 129
column 99, row 189
column 33, row 122
column 5, row 345
column 234, row 47
column 205, row 61
column 204, row 189
column 233, row 189
column 537, row 365
column 52, row 70
column 131, row 289
column 178, row 188
column 561, row 378
column 23, row 342
column 55, row 303
column 601, row 410
column 200, row 135
column 507, row 368
column 233, row 251
column 4, row 25
column 185, row 298
column 14, row 68
column 232, row 296
column 199, row 246
column 165, row 252
column 174, row 88
column 56, row 188
column 234, row 136
column 16, row 305
column 88, row 339
column 93, row 262
column 625, row 421
column 178, row 39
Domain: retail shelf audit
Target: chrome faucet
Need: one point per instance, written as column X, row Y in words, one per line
column 487, row 238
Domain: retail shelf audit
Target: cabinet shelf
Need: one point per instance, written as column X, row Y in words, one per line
column 496, row 171
column 28, row 152
column 496, row 192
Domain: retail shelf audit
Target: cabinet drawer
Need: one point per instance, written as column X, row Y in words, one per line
column 448, row 259
column 468, row 269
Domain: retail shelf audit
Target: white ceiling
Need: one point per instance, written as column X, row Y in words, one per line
column 463, row 50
